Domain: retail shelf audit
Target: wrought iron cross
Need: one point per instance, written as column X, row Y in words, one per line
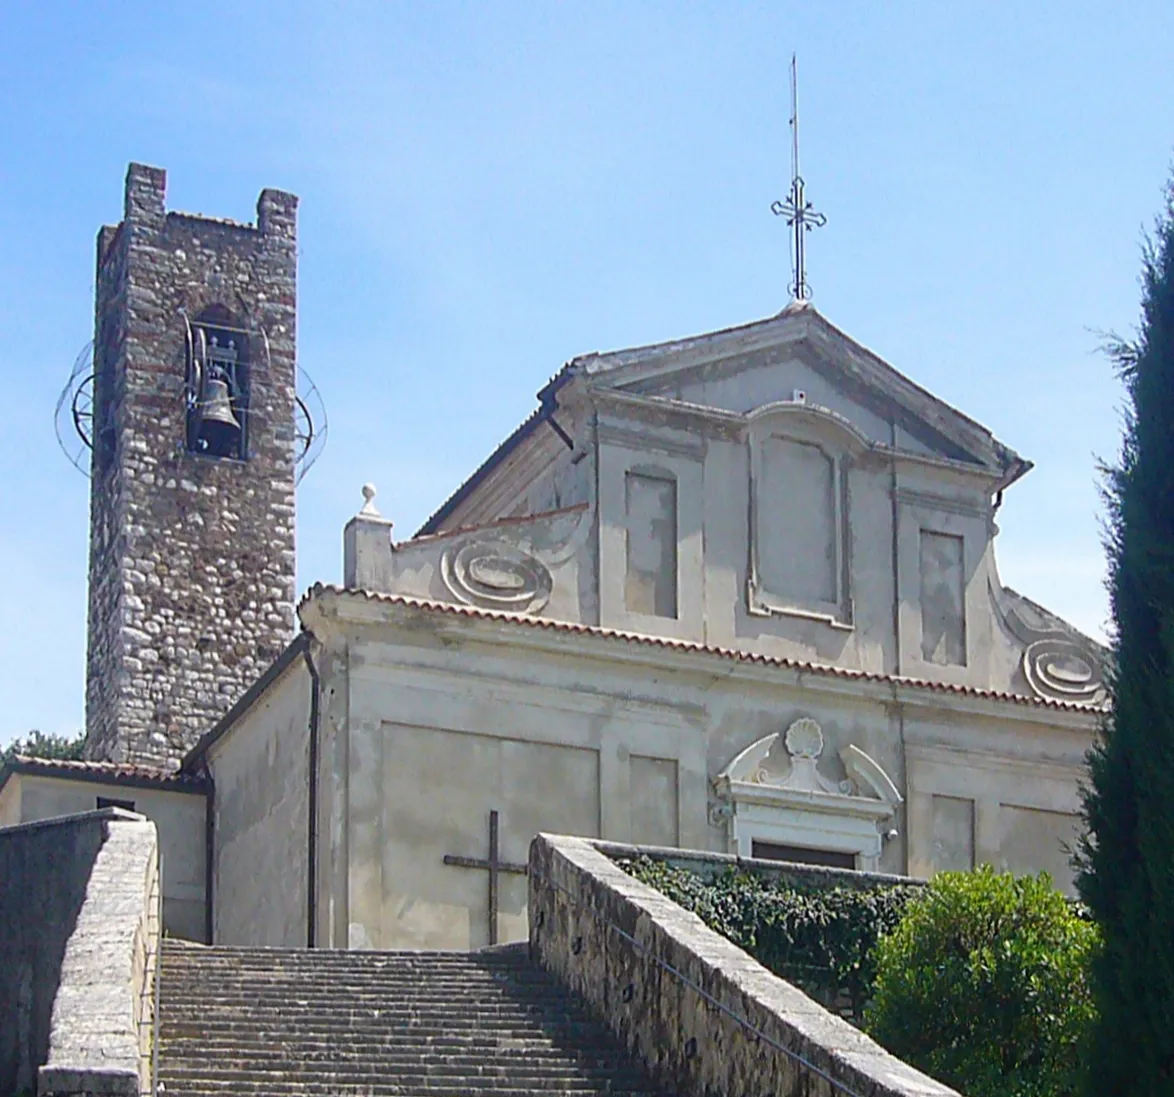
column 801, row 216
column 495, row 866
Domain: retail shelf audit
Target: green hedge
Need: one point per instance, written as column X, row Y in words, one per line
column 819, row 938
column 984, row 985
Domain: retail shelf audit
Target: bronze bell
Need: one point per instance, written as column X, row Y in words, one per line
column 219, row 428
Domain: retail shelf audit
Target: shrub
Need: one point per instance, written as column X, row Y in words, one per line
column 983, row 985
column 819, row 937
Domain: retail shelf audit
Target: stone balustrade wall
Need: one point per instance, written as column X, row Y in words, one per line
column 703, row 1016
column 79, row 933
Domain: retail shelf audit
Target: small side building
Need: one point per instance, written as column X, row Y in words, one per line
column 32, row 789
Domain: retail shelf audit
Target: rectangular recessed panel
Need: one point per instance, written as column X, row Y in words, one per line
column 653, row 799
column 651, row 581
column 433, row 797
column 797, row 523
column 943, row 599
column 1034, row 840
column 953, row 834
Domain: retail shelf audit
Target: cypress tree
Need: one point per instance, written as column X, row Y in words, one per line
column 1127, row 864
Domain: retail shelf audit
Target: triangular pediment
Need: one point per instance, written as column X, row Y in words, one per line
column 799, row 354
column 732, row 374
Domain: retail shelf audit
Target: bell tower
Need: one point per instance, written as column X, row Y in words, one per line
column 192, row 473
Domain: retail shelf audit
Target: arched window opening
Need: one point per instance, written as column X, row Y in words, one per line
column 218, row 385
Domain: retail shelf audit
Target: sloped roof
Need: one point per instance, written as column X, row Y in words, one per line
column 112, row 773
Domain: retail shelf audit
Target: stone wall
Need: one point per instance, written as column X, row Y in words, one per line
column 79, row 929
column 191, row 556
column 702, row 1015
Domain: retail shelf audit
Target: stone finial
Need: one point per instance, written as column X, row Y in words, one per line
column 369, row 509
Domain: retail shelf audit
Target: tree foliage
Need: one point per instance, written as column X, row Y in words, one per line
column 983, row 986
column 1127, row 876
column 819, row 938
column 39, row 744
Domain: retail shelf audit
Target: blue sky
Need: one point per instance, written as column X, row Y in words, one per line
column 490, row 189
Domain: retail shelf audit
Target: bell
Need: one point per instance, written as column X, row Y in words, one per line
column 219, row 428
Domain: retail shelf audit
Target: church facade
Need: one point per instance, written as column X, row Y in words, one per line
column 736, row 592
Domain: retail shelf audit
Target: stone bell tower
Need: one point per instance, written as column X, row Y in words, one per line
column 192, row 477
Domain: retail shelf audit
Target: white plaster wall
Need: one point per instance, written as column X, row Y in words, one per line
column 1023, row 785
column 261, row 771
column 178, row 818
column 556, row 541
column 10, row 802
column 439, row 736
column 726, row 512
column 746, row 382
column 740, row 522
column 449, row 719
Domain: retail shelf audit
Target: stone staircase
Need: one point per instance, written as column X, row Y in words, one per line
column 283, row 1022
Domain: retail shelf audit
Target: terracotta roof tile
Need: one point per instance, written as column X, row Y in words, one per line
column 114, row 771
column 733, row 654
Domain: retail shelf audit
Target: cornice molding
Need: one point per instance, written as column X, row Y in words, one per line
column 327, row 609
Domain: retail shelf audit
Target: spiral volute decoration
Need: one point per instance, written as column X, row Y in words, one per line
column 496, row 575
column 1061, row 670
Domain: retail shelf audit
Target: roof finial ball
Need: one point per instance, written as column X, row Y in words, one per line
column 369, row 509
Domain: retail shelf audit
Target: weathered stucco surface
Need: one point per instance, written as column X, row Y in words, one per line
column 774, row 488
column 261, row 826
column 704, row 1017
column 432, row 721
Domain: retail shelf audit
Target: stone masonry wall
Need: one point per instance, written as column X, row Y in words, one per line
column 102, row 1027
column 44, row 868
column 191, row 557
column 703, row 1016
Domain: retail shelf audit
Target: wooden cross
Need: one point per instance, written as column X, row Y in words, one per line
column 495, row 867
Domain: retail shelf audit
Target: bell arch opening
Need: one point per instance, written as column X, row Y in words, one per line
column 218, row 391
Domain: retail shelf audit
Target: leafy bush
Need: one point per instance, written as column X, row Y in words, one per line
column 983, row 985
column 820, row 938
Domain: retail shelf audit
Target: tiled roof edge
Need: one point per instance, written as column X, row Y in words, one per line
column 732, row 654
column 129, row 774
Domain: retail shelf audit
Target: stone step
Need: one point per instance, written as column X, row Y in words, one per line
column 579, row 1037
column 269, row 1022
column 581, row 1034
column 237, row 989
column 354, row 958
column 515, row 1070
column 300, row 998
column 423, row 1055
column 280, row 1079
column 365, row 965
column 284, row 979
column 375, row 1018
column 289, row 1087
